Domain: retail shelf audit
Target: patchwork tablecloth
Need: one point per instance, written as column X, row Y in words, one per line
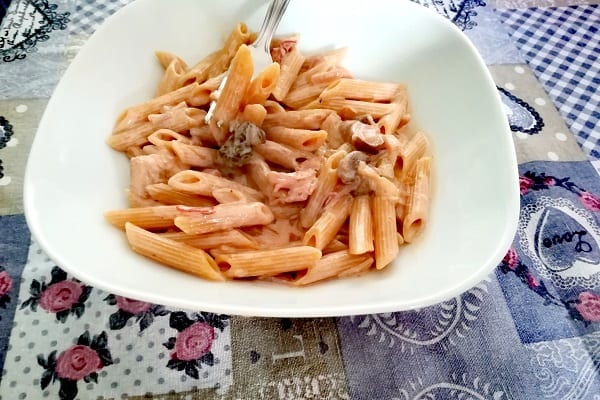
column 531, row 330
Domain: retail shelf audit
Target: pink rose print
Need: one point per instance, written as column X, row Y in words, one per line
column 588, row 306
column 532, row 282
column 191, row 347
column 80, row 361
column 511, row 259
column 589, row 201
column 132, row 306
column 61, row 296
column 549, row 181
column 77, row 362
column 127, row 309
column 5, row 283
column 194, row 341
column 525, row 184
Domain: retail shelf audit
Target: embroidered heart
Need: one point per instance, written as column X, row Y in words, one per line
column 560, row 241
column 26, row 23
column 22, row 20
column 521, row 116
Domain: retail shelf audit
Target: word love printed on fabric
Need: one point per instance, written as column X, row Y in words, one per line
column 559, row 235
column 556, row 254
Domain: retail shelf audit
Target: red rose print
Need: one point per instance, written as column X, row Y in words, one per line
column 194, row 341
column 511, row 259
column 77, row 362
column 60, row 296
column 549, row 181
column 132, row 306
column 588, row 306
column 5, row 283
column 589, row 201
column 525, row 184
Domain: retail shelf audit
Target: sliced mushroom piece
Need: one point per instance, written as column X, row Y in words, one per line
column 365, row 137
column 349, row 164
column 237, row 150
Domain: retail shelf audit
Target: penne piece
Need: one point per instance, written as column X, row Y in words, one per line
column 268, row 262
column 173, row 254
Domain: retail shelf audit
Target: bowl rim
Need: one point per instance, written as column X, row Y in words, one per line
column 267, row 310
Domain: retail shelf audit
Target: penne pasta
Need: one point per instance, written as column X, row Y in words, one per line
column 326, row 227
column 273, row 107
column 357, row 89
column 164, row 138
column 175, row 119
column 165, row 58
column 165, row 194
column 360, row 238
column 157, row 217
column 303, row 94
column 302, row 174
column 301, row 119
column 229, row 237
column 414, row 149
column 302, row 139
column 327, row 180
column 171, row 77
column 232, row 94
column 194, row 95
column 203, row 184
column 392, row 120
column 352, row 109
column 195, row 156
column 268, row 262
column 334, row 264
column 283, row 155
column 385, row 231
column 290, row 67
column 173, row 254
column 227, row 195
column 263, row 85
column 418, row 205
column 254, row 113
column 197, row 220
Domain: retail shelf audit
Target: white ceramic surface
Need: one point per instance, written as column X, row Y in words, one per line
column 73, row 176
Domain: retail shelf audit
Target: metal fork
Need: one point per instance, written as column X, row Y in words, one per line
column 260, row 49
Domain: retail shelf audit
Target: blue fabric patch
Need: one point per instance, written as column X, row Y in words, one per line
column 551, row 281
column 559, row 46
column 14, row 247
column 456, row 349
column 3, row 7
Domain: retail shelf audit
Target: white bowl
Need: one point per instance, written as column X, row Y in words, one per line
column 72, row 176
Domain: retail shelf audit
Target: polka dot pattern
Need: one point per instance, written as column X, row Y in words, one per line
column 138, row 356
column 560, row 136
column 21, row 108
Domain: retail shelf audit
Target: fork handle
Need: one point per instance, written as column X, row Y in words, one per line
column 269, row 26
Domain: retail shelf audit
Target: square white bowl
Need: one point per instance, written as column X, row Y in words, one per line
column 72, row 176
